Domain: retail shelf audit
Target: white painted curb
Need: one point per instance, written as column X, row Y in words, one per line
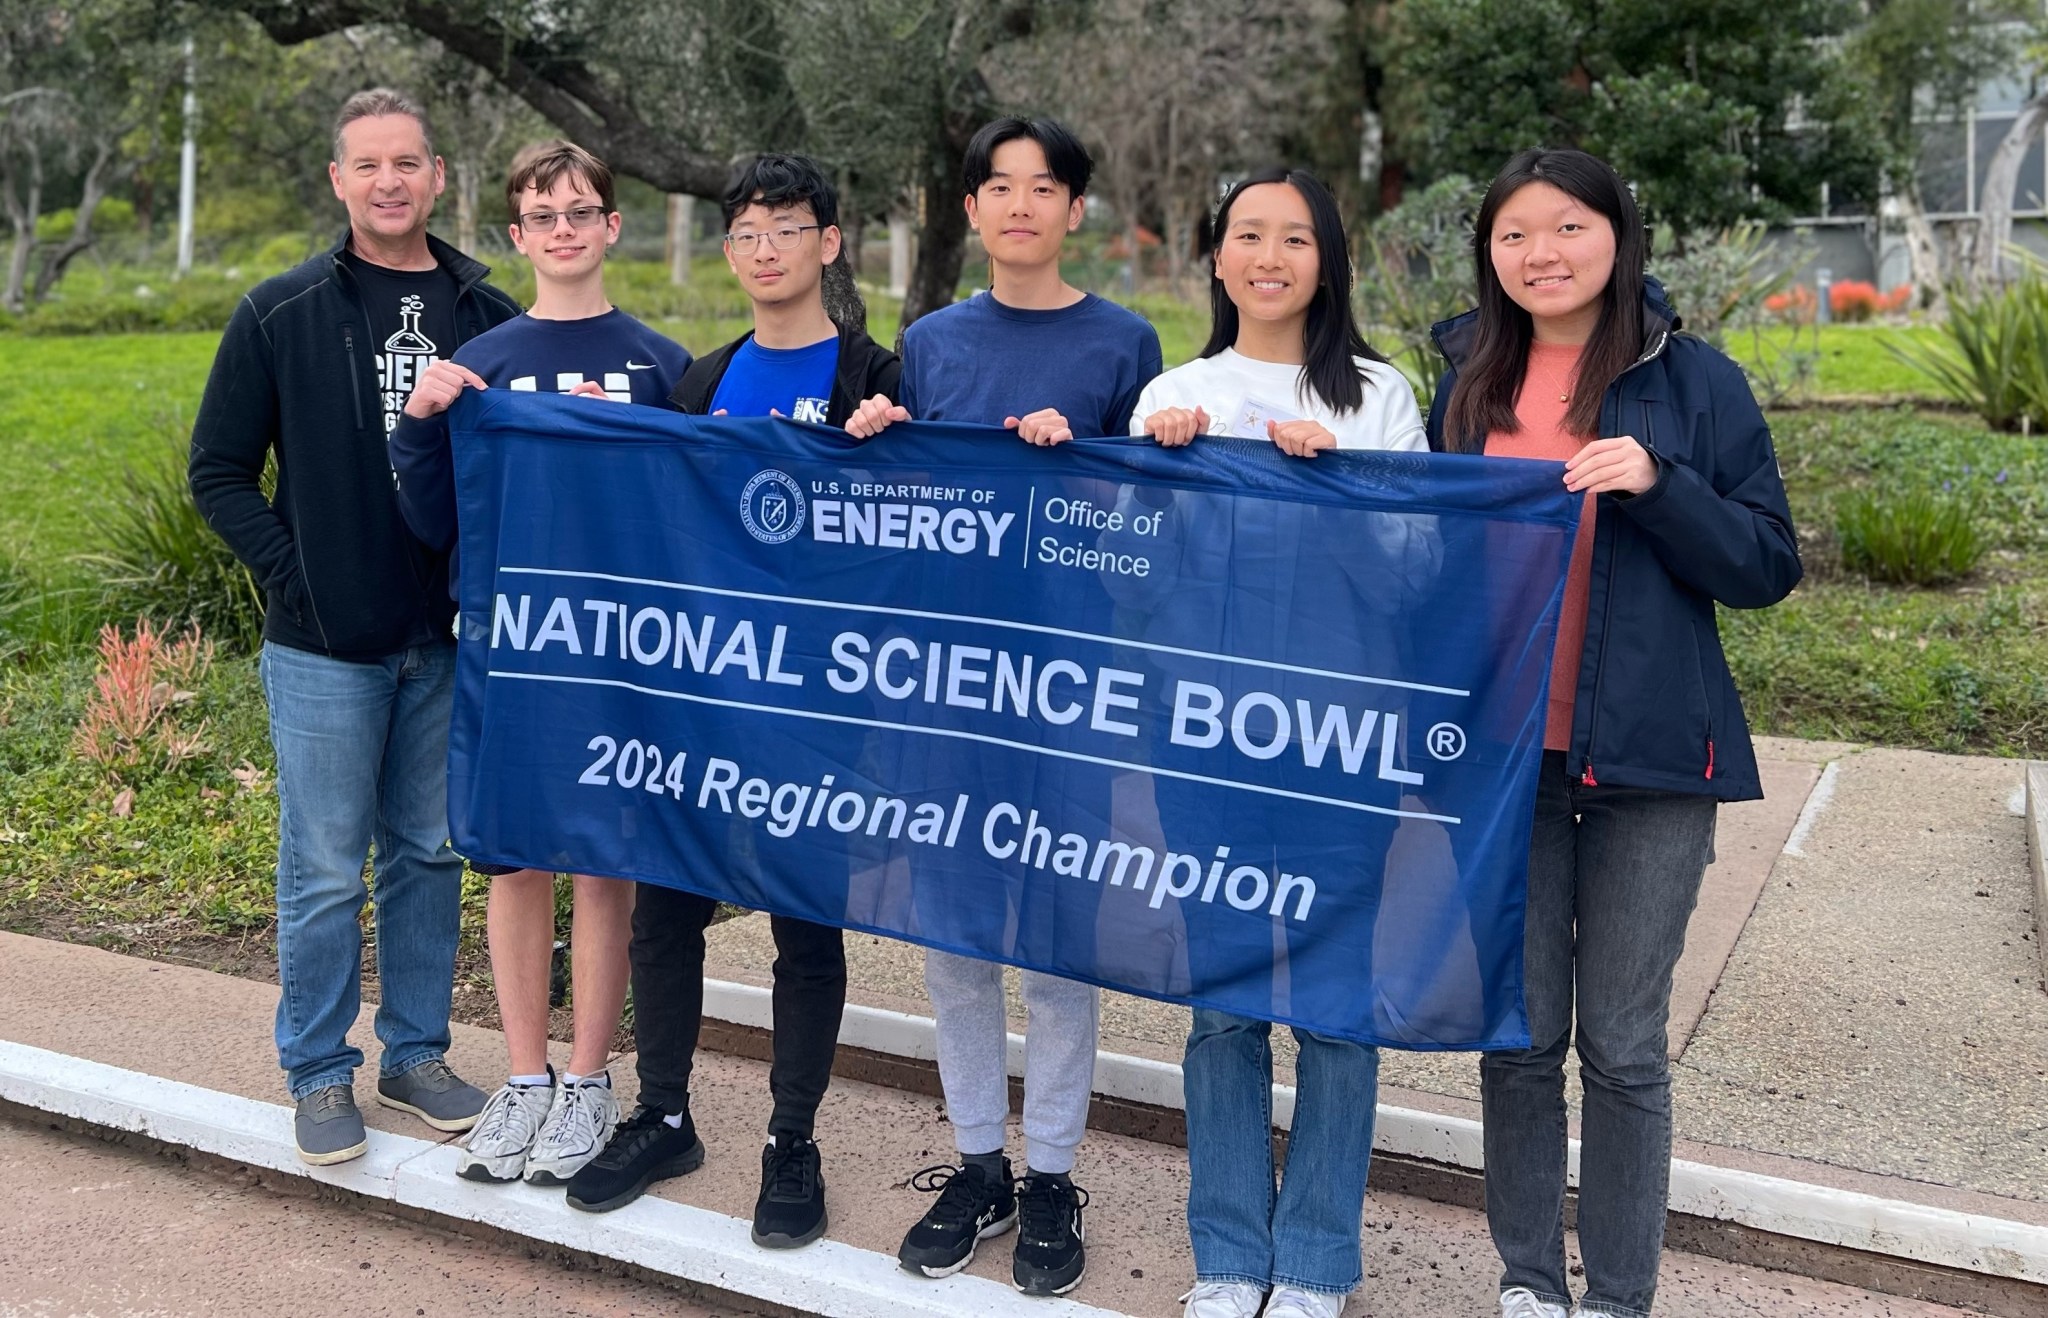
column 695, row 1244
column 1892, row 1227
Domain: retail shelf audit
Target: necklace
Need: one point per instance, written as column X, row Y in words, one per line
column 1564, row 398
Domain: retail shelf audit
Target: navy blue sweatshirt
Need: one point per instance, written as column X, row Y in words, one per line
column 634, row 364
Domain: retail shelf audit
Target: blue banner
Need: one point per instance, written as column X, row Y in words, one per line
column 1210, row 724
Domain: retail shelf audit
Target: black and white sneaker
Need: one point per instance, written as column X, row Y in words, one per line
column 643, row 1149
column 1050, row 1257
column 791, row 1209
column 972, row 1207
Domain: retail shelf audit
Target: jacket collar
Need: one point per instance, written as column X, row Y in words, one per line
column 1454, row 336
column 467, row 270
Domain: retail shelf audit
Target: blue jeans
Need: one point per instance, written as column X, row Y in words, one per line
column 1613, row 875
column 362, row 760
column 1306, row 1235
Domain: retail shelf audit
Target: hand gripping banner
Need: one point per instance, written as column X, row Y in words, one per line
column 1210, row 724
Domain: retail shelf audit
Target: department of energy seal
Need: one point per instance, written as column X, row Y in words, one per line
column 772, row 507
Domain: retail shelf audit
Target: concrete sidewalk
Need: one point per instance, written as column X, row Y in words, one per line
column 182, row 1056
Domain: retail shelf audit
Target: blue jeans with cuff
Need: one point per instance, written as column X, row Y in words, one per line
column 362, row 762
column 1613, row 876
column 1305, row 1234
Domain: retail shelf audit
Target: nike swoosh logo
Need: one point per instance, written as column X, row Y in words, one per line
column 639, row 366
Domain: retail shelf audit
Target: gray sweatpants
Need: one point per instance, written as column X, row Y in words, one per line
column 1059, row 1057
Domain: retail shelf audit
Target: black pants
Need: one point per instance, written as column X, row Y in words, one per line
column 668, row 1004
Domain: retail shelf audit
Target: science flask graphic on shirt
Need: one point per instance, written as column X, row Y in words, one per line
column 1209, row 724
column 407, row 354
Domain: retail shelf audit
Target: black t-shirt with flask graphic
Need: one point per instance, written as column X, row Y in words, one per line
column 412, row 325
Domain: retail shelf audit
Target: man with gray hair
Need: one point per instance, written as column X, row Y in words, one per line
column 358, row 664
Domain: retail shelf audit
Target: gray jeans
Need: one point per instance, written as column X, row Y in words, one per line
column 1613, row 875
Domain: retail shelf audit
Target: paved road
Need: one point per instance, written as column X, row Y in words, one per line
column 107, row 1232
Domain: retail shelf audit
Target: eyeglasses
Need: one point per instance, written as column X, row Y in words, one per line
column 580, row 217
column 782, row 240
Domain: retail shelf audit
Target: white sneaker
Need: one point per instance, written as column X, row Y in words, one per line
column 575, row 1131
column 1223, row 1299
column 1520, row 1302
column 497, row 1146
column 1583, row 1312
column 1291, row 1302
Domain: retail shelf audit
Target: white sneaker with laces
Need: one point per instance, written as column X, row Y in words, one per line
column 1223, row 1299
column 1520, row 1302
column 1292, row 1302
column 1583, row 1312
column 498, row 1144
column 575, row 1131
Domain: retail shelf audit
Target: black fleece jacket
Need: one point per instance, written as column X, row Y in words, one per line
column 866, row 368
column 296, row 375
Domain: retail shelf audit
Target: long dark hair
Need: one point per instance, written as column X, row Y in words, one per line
column 1331, row 339
column 1490, row 379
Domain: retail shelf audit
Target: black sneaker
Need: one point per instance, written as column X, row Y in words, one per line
column 972, row 1207
column 791, row 1209
column 643, row 1149
column 1050, row 1258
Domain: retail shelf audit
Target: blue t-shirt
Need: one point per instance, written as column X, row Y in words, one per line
column 981, row 362
column 633, row 364
column 796, row 382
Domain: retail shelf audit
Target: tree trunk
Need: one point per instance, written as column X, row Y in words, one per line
column 2001, row 180
column 465, row 203
column 901, row 228
column 852, row 233
column 1923, row 252
column 22, row 211
column 942, row 235
column 93, row 193
column 682, row 215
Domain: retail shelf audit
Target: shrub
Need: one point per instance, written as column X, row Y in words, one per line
column 1993, row 355
column 131, row 717
column 1854, row 301
column 1721, row 281
column 163, row 561
column 1917, row 539
column 1415, row 269
column 1796, row 305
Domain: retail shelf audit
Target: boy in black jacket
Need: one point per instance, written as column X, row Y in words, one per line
column 781, row 217
column 358, row 666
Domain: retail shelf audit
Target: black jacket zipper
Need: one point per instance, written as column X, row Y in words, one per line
column 355, row 381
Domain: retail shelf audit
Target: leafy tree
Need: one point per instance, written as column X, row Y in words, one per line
column 1689, row 99
column 77, row 82
column 669, row 91
column 1917, row 57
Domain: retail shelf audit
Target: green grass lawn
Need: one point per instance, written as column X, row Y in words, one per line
column 95, row 406
column 1853, row 361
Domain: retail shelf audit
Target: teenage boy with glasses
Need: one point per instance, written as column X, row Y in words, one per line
column 538, row 1125
column 781, row 217
column 1042, row 358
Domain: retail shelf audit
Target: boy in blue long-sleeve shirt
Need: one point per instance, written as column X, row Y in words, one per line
column 538, row 1125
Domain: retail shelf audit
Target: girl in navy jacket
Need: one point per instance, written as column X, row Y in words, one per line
column 1572, row 354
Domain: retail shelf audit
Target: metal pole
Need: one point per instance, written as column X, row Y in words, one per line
column 188, row 162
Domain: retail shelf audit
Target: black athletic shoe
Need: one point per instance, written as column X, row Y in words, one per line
column 791, row 1209
column 972, row 1207
column 643, row 1149
column 1050, row 1257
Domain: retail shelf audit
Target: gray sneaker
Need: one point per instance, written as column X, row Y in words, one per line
column 498, row 1144
column 328, row 1128
column 577, row 1129
column 434, row 1094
